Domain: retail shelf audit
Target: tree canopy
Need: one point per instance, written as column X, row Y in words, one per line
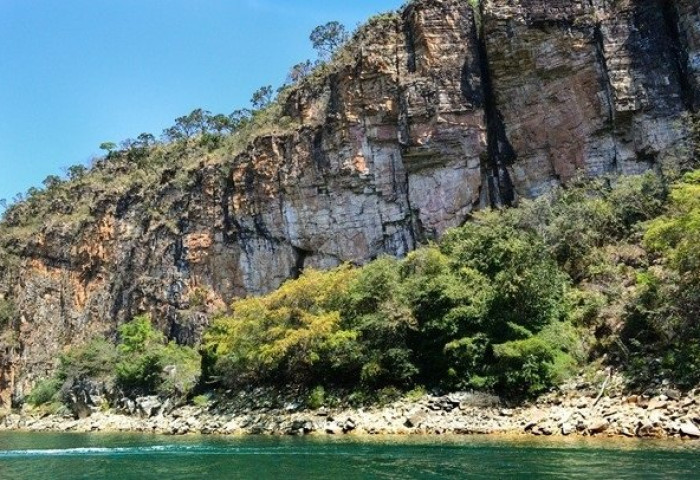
column 327, row 38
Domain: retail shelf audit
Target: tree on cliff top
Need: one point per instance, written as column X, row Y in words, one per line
column 326, row 39
column 299, row 71
column 261, row 97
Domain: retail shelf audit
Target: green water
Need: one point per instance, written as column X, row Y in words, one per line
column 123, row 457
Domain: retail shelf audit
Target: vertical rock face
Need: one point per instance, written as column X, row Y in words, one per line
column 684, row 17
column 584, row 86
column 426, row 116
column 390, row 154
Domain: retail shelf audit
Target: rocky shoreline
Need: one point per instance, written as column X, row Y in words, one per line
column 580, row 411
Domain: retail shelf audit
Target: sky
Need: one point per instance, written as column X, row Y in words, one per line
column 76, row 73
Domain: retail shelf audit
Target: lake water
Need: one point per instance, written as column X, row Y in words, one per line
column 109, row 456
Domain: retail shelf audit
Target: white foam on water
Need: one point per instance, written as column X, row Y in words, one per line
column 88, row 451
column 163, row 449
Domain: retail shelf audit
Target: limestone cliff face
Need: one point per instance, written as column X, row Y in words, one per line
column 586, row 86
column 685, row 14
column 427, row 116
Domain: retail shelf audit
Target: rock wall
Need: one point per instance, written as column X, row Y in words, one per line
column 428, row 116
column 684, row 16
column 584, row 86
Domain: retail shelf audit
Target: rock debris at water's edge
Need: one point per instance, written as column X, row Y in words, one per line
column 670, row 414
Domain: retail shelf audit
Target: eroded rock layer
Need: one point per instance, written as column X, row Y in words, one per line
column 584, row 86
column 427, row 116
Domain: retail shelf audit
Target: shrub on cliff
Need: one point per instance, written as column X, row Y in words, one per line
column 44, row 392
column 285, row 336
column 480, row 302
column 7, row 312
column 574, row 222
column 148, row 364
column 662, row 331
column 95, row 360
column 142, row 363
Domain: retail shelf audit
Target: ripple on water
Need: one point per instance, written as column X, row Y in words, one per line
column 124, row 457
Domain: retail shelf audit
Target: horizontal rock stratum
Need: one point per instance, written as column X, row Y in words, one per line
column 426, row 116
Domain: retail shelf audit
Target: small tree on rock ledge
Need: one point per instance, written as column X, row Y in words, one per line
column 326, row 39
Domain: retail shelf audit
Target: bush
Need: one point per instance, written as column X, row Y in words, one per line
column 95, row 360
column 317, row 398
column 376, row 310
column 138, row 335
column 523, row 367
column 496, row 289
column 201, row 401
column 149, row 365
column 416, row 394
column 661, row 320
column 44, row 392
column 7, row 312
column 637, row 199
column 285, row 335
column 527, row 285
column 181, row 370
column 140, row 374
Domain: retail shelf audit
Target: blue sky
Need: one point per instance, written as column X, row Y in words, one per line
column 75, row 73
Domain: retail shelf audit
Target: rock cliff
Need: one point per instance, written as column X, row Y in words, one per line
column 424, row 117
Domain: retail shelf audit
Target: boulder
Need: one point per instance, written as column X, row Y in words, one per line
column 657, row 403
column 83, row 397
column 349, row 425
column 646, row 429
column 544, row 429
column 332, row 429
column 568, row 429
column 148, row 406
column 415, row 420
column 689, row 429
column 673, row 394
column 596, row 426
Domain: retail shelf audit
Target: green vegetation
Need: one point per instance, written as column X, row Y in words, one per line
column 95, row 361
column 142, row 363
column 200, row 401
column 471, row 313
column 288, row 336
column 327, row 39
column 44, row 392
column 7, row 312
column 148, row 364
column 512, row 302
column 317, row 398
column 662, row 333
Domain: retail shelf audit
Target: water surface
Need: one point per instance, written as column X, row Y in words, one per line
column 121, row 456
